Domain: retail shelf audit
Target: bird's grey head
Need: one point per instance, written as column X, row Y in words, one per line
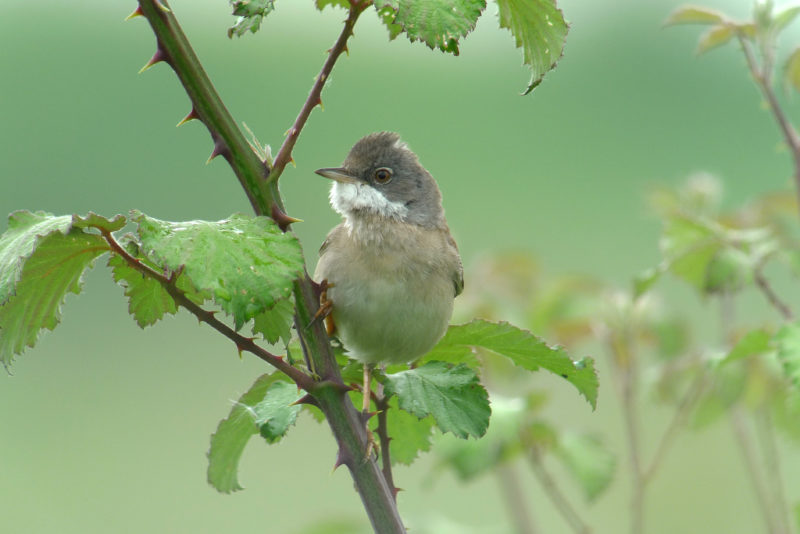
column 382, row 177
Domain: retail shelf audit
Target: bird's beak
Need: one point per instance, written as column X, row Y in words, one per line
column 340, row 175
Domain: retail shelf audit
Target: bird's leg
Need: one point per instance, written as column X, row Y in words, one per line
column 325, row 308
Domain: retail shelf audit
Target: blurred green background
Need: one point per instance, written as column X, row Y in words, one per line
column 104, row 428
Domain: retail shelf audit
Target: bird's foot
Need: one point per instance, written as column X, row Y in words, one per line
column 325, row 308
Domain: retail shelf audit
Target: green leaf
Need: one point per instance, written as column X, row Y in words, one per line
column 752, row 343
column 93, row 220
column 233, row 433
column 689, row 247
column 410, row 434
column 590, row 463
column 387, row 16
column 276, row 324
column 437, row 23
column 791, row 70
column 539, row 28
column 42, row 257
column 251, row 13
column 322, row 4
column 521, row 347
column 785, row 17
column 694, row 15
column 716, row 36
column 451, row 394
column 246, row 263
column 645, row 280
column 277, row 412
column 728, row 271
column 788, row 342
column 148, row 301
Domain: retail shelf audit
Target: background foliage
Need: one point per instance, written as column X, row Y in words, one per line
column 564, row 173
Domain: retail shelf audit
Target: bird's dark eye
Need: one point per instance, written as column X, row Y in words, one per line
column 383, row 175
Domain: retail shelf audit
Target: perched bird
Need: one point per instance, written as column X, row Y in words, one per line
column 391, row 268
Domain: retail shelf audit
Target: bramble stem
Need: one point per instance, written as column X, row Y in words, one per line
column 514, row 497
column 762, row 75
column 551, row 488
column 772, row 297
column 314, row 99
column 242, row 342
column 327, row 388
column 382, row 405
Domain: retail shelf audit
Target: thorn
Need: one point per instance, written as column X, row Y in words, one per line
column 219, row 148
column 320, row 104
column 306, row 399
column 162, row 7
column 136, row 13
column 346, row 50
column 158, row 57
column 291, row 160
column 366, row 416
column 192, row 115
column 341, row 459
column 281, row 218
column 396, row 491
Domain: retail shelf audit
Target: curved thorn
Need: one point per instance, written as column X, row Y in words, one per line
column 192, row 115
column 158, row 57
column 162, row 7
column 136, row 13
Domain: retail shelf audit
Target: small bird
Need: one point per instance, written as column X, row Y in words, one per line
column 391, row 269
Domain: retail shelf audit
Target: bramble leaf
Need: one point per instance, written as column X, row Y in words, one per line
column 437, row 23
column 752, row 343
column 42, row 257
column 521, row 347
column 539, row 28
column 716, row 36
column 251, row 13
column 148, row 301
column 785, row 17
column 788, row 343
column 233, row 433
column 322, row 4
column 410, row 434
column 277, row 412
column 694, row 15
column 246, row 263
column 276, row 324
column 645, row 280
column 791, row 70
column 590, row 463
column 451, row 394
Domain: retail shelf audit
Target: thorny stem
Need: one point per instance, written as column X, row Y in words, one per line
column 329, row 391
column 765, row 430
column 514, row 499
column 551, row 488
column 678, row 419
column 314, row 99
column 382, row 405
column 242, row 342
column 762, row 75
column 740, row 430
column 766, row 288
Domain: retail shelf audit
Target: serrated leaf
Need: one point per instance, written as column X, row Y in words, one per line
column 539, row 28
column 387, row 15
column 233, row 433
column 247, row 263
column 276, row 324
column 590, row 463
column 451, row 394
column 788, row 343
column 521, row 347
column 42, row 257
column 437, row 23
column 409, row 434
column 148, row 301
column 694, row 15
column 785, row 17
column 322, row 4
column 277, row 412
column 791, row 69
column 93, row 220
column 251, row 14
column 716, row 36
column 752, row 343
column 646, row 280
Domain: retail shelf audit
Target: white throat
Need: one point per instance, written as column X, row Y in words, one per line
column 347, row 198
